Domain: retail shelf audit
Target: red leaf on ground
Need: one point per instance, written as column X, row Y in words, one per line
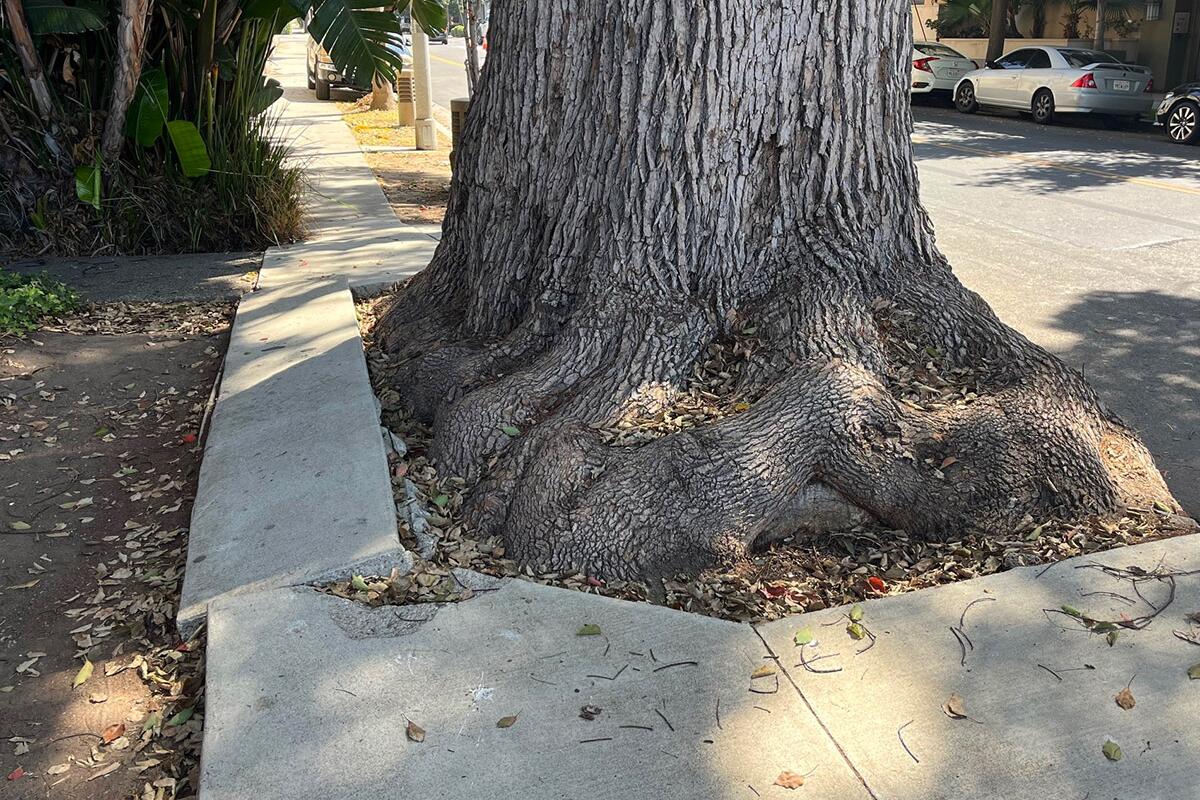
column 876, row 583
column 188, row 438
column 112, row 732
column 774, row 591
column 594, row 581
column 16, row 774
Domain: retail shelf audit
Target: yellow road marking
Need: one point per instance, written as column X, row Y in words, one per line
column 1150, row 182
column 446, row 60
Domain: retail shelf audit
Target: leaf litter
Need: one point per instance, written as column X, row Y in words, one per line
column 127, row 622
column 790, row 576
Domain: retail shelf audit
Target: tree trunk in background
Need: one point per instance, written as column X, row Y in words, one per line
column 997, row 28
column 381, row 94
column 1098, row 41
column 646, row 194
column 31, row 64
column 131, row 40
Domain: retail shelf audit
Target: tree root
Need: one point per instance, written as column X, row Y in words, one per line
column 831, row 443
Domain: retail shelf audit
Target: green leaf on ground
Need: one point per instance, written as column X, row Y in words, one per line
column 803, row 636
column 181, row 717
column 153, row 721
column 359, row 583
column 507, row 722
column 19, row 525
column 588, row 630
column 441, row 500
column 1111, row 638
column 856, row 631
column 856, row 613
column 510, row 430
column 84, row 673
column 1112, row 750
column 1073, row 611
column 1194, row 672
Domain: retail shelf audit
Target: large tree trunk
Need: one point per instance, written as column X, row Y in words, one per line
column 649, row 192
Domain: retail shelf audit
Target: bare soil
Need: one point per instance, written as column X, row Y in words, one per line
column 100, row 447
column 415, row 182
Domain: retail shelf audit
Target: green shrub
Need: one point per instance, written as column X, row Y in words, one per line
column 458, row 31
column 26, row 299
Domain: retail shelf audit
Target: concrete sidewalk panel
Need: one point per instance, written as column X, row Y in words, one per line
column 309, row 695
column 294, row 485
column 1031, row 735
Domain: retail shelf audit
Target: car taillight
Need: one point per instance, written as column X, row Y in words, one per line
column 1085, row 81
column 923, row 64
column 1150, row 85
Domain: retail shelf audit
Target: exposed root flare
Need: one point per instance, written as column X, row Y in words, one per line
column 630, row 457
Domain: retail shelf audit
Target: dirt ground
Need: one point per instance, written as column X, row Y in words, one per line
column 416, row 182
column 100, row 446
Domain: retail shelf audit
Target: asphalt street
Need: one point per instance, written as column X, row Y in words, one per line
column 1086, row 240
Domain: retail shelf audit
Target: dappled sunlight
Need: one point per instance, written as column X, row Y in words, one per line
column 1037, row 686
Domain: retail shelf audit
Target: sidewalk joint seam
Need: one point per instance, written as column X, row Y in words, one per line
column 841, row 751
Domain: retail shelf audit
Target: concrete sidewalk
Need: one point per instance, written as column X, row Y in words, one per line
column 312, row 696
column 294, row 485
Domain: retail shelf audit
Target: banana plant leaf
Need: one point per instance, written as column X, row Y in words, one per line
column 189, row 147
column 148, row 113
column 87, row 185
column 56, row 17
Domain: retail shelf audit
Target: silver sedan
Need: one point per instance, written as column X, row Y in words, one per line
column 1048, row 80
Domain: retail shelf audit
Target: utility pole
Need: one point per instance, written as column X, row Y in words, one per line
column 997, row 30
column 1098, row 42
column 423, row 90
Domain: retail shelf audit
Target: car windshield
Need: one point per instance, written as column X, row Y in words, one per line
column 931, row 49
column 1081, row 58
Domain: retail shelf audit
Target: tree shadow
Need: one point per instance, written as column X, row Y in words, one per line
column 1140, row 350
column 1047, row 160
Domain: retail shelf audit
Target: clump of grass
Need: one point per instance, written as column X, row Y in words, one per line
column 26, row 299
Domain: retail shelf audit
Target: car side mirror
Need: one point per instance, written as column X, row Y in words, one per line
column 992, row 65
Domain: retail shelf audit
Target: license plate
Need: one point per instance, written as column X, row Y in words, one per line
column 952, row 73
column 1121, row 86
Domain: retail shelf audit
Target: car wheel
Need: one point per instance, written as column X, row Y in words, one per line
column 1042, row 107
column 964, row 98
column 322, row 89
column 1183, row 123
column 312, row 76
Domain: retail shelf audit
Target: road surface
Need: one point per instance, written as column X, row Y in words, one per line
column 1087, row 241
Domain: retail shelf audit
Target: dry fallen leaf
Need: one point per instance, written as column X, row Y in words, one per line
column 113, row 767
column 114, row 731
column 57, row 769
column 1125, row 699
column 955, row 707
column 507, row 722
column 763, row 671
column 415, row 732
column 84, row 673
column 789, row 780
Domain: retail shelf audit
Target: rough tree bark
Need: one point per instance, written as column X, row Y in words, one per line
column 31, row 63
column 131, row 42
column 639, row 181
column 998, row 28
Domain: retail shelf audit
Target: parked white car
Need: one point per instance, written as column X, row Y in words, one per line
column 1049, row 80
column 937, row 68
